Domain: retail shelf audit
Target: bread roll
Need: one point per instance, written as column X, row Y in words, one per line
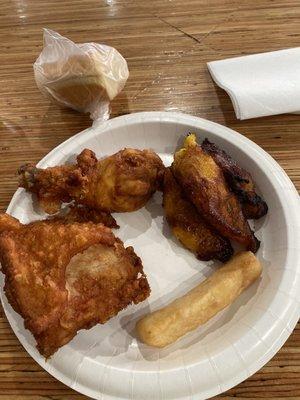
column 84, row 77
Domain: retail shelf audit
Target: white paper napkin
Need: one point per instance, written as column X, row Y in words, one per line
column 261, row 84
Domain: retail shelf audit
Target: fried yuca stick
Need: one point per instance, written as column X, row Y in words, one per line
column 196, row 307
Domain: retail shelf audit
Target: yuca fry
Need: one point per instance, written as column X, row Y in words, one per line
column 196, row 307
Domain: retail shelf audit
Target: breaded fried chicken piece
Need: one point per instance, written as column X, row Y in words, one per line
column 189, row 227
column 9, row 223
column 204, row 184
column 62, row 277
column 239, row 181
column 81, row 213
column 119, row 183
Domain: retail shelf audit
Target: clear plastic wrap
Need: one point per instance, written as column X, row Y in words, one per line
column 85, row 77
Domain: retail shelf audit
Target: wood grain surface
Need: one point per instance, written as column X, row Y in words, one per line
column 167, row 45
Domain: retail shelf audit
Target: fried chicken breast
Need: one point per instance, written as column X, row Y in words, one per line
column 239, row 181
column 203, row 182
column 189, row 227
column 62, row 277
column 119, row 183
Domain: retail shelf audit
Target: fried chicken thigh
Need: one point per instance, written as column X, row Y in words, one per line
column 63, row 277
column 204, row 184
column 119, row 183
column 239, row 181
column 189, row 227
column 81, row 213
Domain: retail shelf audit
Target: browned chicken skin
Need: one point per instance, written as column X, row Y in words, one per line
column 204, row 184
column 239, row 180
column 119, row 183
column 81, row 213
column 62, row 277
column 188, row 226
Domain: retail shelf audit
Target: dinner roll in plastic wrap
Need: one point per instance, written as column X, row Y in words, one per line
column 85, row 77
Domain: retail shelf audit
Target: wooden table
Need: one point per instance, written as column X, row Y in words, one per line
column 167, row 45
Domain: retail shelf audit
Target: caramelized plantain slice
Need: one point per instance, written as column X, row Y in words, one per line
column 203, row 182
column 188, row 226
column 239, row 180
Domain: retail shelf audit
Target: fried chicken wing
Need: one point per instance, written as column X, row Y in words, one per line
column 204, row 184
column 239, row 181
column 62, row 277
column 188, row 226
column 122, row 182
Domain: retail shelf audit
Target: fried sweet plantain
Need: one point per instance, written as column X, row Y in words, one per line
column 239, row 180
column 188, row 226
column 204, row 184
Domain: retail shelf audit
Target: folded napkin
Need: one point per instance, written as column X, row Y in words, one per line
column 261, row 84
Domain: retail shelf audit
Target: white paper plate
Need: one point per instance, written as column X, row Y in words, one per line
column 107, row 362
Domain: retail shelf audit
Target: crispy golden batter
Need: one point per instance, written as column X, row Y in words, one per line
column 239, row 180
column 188, row 226
column 8, row 223
column 204, row 184
column 163, row 327
column 62, row 277
column 81, row 213
column 122, row 182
